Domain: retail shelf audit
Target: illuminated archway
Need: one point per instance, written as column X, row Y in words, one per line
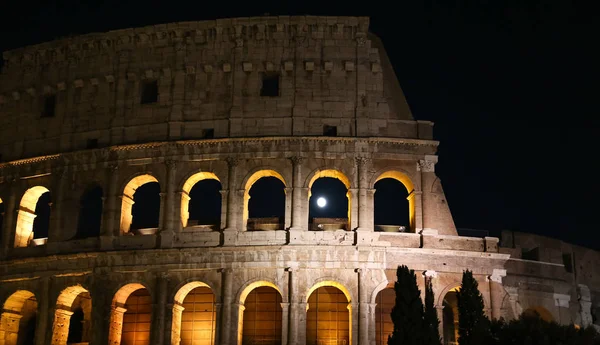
column 450, row 317
column 328, row 319
column 538, row 311
column 410, row 188
column 130, row 317
column 194, row 315
column 18, row 320
column 248, row 185
column 384, row 327
column 72, row 316
column 189, row 205
column 26, row 216
column 260, row 314
column 331, row 223
column 90, row 213
column 128, row 201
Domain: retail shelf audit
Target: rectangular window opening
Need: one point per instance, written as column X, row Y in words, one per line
column 208, row 133
column 92, row 144
column 270, row 85
column 330, row 131
column 49, row 106
column 568, row 262
column 532, row 254
column 149, row 92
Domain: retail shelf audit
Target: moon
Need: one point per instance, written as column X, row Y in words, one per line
column 321, row 202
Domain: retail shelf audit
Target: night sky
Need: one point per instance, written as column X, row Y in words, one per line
column 509, row 85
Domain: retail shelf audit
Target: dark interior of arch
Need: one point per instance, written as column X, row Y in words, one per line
column 26, row 335
column 90, row 213
column 391, row 205
column 41, row 223
column 1, row 219
column 205, row 203
column 267, row 199
column 335, row 192
column 146, row 208
column 76, row 327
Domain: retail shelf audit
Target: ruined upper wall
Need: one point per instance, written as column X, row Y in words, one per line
column 209, row 75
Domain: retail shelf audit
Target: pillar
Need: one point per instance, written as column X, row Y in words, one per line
column 585, row 305
column 219, row 325
column 363, row 308
column 285, row 314
column 297, row 311
column 111, row 212
column 440, row 314
column 116, row 325
column 175, row 331
column 427, row 169
column 167, row 227
column 43, row 312
column 60, row 328
column 288, row 208
column 232, row 212
column 353, row 208
column 9, row 332
column 224, row 200
column 365, row 200
column 159, row 310
column 228, row 330
column 299, row 216
column 496, row 292
column 8, row 222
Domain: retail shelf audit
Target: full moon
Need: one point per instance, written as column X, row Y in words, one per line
column 321, row 202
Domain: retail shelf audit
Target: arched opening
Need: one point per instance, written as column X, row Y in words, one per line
column 384, row 327
column 262, row 317
column 328, row 319
column 33, row 218
column 538, row 311
column 90, row 213
column 18, row 320
column 391, row 206
column 201, row 202
column 394, row 203
column 264, row 201
column 140, row 207
column 194, row 315
column 329, row 201
column 131, row 316
column 450, row 315
column 72, row 316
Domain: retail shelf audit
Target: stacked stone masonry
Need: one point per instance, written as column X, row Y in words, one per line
column 73, row 116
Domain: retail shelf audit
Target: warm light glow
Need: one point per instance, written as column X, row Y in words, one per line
column 127, row 199
column 17, row 322
column 26, row 215
column 248, row 185
column 322, row 202
column 410, row 187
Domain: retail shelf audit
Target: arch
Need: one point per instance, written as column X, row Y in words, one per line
column 26, row 215
column 194, row 319
column 249, row 181
column 329, row 314
column 127, row 199
column 453, row 286
column 247, row 288
column 450, row 316
column 335, row 174
column 385, row 301
column 72, row 316
column 402, row 177
column 18, row 319
column 540, row 311
column 260, row 314
column 329, row 282
column 137, row 321
column 186, row 189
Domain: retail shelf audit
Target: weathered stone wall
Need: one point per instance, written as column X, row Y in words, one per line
column 209, row 76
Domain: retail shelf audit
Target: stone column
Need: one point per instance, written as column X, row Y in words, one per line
column 43, row 313
column 440, row 314
column 496, row 292
column 363, row 300
column 427, row 169
column 372, row 322
column 232, row 202
column 116, row 325
column 8, row 223
column 60, row 328
column 167, row 227
column 10, row 327
column 288, row 208
column 415, row 202
column 353, row 208
column 175, row 326
column 159, row 308
column 219, row 325
column 299, row 216
column 297, row 311
column 111, row 212
column 285, row 319
column 224, row 199
column 365, row 201
column 228, row 330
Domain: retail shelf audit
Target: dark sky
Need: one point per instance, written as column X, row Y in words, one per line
column 509, row 85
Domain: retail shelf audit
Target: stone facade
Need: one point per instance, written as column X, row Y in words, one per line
column 74, row 114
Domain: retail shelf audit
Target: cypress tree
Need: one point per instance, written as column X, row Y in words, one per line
column 473, row 325
column 407, row 314
column 431, row 322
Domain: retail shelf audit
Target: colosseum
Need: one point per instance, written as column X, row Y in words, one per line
column 127, row 164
